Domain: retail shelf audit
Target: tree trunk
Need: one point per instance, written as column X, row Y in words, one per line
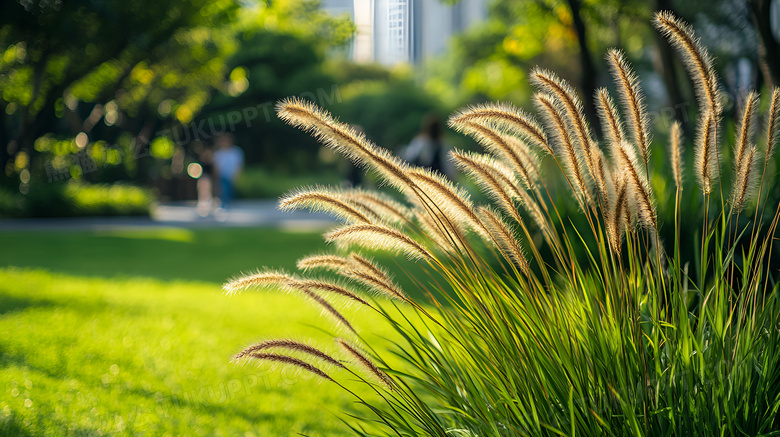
column 666, row 66
column 768, row 47
column 5, row 138
column 588, row 74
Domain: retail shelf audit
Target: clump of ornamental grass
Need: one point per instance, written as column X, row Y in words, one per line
column 551, row 324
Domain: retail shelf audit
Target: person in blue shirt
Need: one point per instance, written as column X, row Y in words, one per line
column 228, row 163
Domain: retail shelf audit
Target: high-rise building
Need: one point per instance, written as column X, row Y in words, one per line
column 435, row 23
column 393, row 31
column 363, row 42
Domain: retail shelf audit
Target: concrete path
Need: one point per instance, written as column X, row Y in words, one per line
column 184, row 214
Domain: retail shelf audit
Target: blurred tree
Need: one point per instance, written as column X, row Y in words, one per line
column 271, row 66
column 389, row 112
column 563, row 35
column 55, row 53
column 282, row 51
column 725, row 26
column 102, row 80
column 568, row 36
column 666, row 65
column 768, row 45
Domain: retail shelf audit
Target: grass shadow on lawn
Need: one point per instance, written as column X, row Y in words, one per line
column 11, row 304
column 13, row 428
column 211, row 255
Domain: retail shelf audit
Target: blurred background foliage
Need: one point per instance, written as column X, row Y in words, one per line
column 108, row 92
column 103, row 104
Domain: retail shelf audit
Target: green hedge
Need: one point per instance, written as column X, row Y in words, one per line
column 74, row 199
column 260, row 183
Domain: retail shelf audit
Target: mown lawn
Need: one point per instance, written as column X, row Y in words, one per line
column 128, row 333
column 212, row 255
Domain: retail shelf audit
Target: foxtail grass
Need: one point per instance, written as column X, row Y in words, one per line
column 618, row 316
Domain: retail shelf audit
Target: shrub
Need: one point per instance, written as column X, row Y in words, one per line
column 104, row 199
column 614, row 333
column 9, row 203
column 74, row 199
column 402, row 101
column 46, row 200
column 259, row 183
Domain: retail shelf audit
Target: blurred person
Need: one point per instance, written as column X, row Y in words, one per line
column 354, row 173
column 428, row 148
column 205, row 184
column 228, row 163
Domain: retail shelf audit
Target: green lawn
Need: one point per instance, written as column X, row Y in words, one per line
column 212, row 255
column 122, row 333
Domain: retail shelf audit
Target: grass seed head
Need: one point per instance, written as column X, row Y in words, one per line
column 637, row 183
column 379, row 237
column 695, row 57
column 633, row 101
column 344, row 139
column 550, row 108
column 773, row 124
column 322, row 199
column 366, row 363
column 323, row 261
column 268, row 278
column 505, row 117
column 706, row 159
column 745, row 181
column 290, row 361
column 675, row 153
column 612, row 125
column 746, row 129
column 287, row 344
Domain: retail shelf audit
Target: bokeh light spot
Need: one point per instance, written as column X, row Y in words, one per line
column 194, row 170
column 164, row 108
column 81, row 140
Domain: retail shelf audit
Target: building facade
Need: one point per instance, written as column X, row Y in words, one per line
column 393, row 31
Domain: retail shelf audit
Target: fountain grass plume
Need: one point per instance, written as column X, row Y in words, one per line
column 529, row 314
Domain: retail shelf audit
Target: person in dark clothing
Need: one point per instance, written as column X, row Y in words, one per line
column 428, row 148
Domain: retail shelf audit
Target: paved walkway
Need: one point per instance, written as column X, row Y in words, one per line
column 184, row 214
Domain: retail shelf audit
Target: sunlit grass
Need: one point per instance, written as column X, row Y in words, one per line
column 155, row 233
column 88, row 356
column 614, row 331
column 110, row 339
